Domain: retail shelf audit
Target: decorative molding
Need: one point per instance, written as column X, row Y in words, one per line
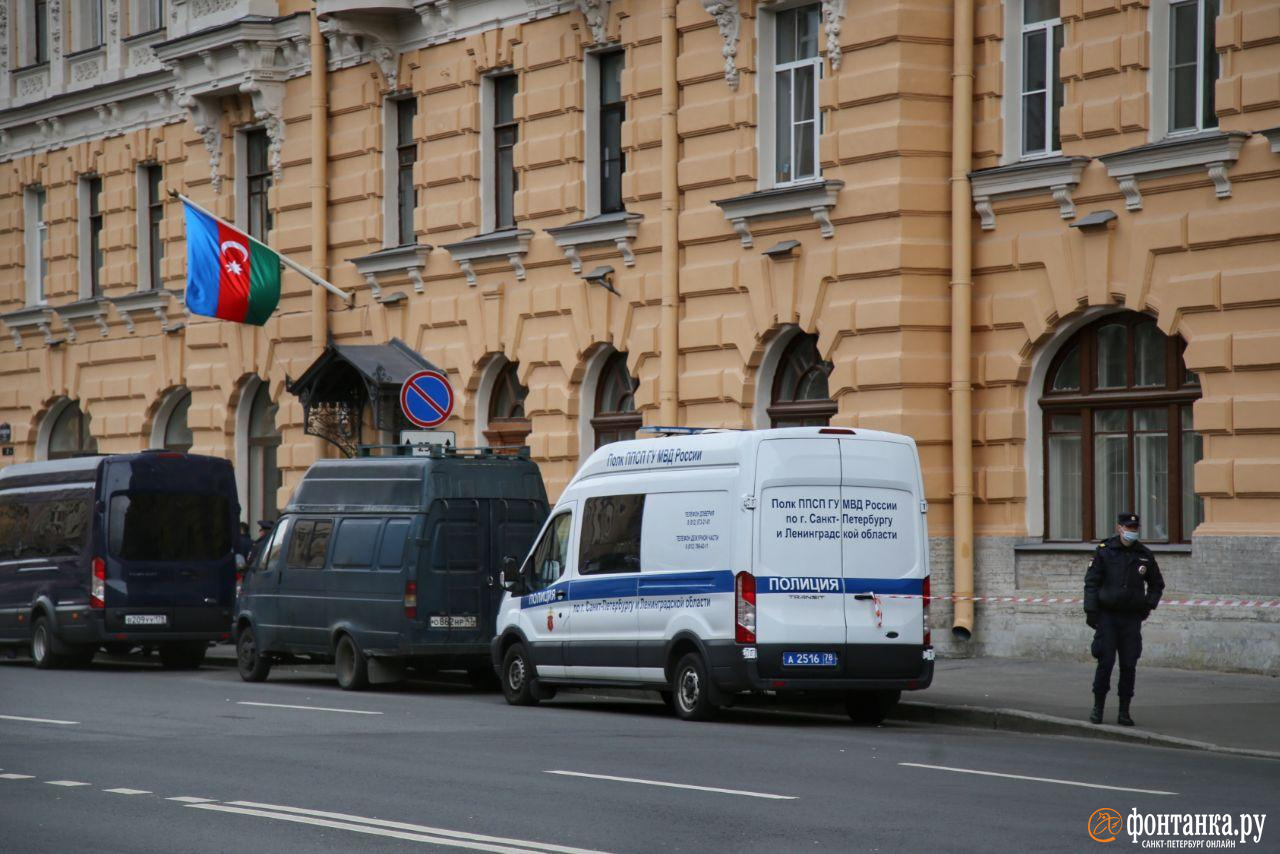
column 729, row 20
column 511, row 244
column 408, row 260
column 816, row 197
column 55, row 29
column 33, row 317
column 155, row 300
column 1058, row 176
column 597, row 14
column 93, row 309
column 1212, row 152
column 1273, row 137
column 617, row 228
column 832, row 19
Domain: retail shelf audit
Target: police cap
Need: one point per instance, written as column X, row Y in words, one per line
column 1128, row 520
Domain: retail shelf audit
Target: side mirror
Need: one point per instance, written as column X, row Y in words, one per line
column 510, row 577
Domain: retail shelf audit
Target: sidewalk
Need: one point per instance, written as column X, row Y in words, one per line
column 1232, row 711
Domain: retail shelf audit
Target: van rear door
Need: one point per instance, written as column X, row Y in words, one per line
column 799, row 580
column 883, row 554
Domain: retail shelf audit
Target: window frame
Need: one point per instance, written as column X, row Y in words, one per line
column 138, row 25
column 1175, row 395
column 614, row 421
column 261, row 466
column 38, row 45
column 507, row 429
column 812, row 410
column 767, row 130
column 87, row 31
column 35, row 204
column 1053, row 90
column 1162, row 92
column 91, row 257
column 255, row 184
column 528, row 570
column 151, row 210
column 505, row 137
column 595, row 117
column 402, row 158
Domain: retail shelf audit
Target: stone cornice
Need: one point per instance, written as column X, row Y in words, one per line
column 32, row 317
column 815, row 197
column 93, row 309
column 1055, row 175
column 511, row 244
column 1211, row 152
column 617, row 228
column 410, row 260
column 154, row 300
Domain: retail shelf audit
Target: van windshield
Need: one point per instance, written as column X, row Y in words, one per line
column 169, row 526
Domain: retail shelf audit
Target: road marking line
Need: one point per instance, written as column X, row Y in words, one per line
column 39, row 720
column 1036, row 779
column 373, row 831
column 67, row 783
column 127, row 791
column 416, row 828
column 307, row 708
column 187, row 799
column 676, row 785
column 16, row 777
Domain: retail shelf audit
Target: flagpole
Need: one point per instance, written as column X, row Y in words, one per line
column 284, row 259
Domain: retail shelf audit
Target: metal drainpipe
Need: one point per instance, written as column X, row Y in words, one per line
column 669, row 356
column 319, row 184
column 961, row 315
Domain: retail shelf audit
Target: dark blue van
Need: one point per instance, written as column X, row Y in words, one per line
column 382, row 562
column 117, row 551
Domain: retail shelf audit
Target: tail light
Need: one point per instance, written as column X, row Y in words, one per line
column 98, row 587
column 411, row 599
column 239, row 581
column 744, row 630
column 924, row 610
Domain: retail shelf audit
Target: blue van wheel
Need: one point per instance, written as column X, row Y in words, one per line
column 42, row 645
column 350, row 666
column 252, row 662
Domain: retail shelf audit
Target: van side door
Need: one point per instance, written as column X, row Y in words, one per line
column 605, row 588
column 545, row 616
column 260, row 593
column 304, row 611
column 368, row 603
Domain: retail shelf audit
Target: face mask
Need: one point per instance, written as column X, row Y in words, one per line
column 1129, row 537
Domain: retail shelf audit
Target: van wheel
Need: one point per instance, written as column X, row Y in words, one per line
column 42, row 643
column 519, row 680
column 482, row 678
column 869, row 708
column 692, row 690
column 350, row 666
column 183, row 656
column 252, row 663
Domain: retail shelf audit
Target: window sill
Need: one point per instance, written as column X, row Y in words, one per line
column 618, row 228
column 1211, row 151
column 1056, row 175
column 154, row 300
column 410, row 259
column 32, row 317
column 511, row 244
column 1072, row 548
column 817, row 198
column 92, row 308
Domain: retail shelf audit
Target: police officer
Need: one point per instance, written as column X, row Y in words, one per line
column 1121, row 589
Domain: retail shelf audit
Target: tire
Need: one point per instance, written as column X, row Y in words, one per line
column 691, row 690
column 350, row 666
column 519, row 682
column 483, row 678
column 42, row 645
column 187, row 655
column 869, row 708
column 252, row 662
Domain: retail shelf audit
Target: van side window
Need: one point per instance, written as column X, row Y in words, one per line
column 299, row 541
column 271, row 558
column 551, row 555
column 13, row 527
column 391, row 555
column 611, row 534
column 319, row 544
column 353, row 546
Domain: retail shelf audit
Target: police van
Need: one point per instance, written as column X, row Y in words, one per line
column 721, row 563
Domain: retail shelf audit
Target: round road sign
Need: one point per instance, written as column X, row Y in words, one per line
column 426, row 398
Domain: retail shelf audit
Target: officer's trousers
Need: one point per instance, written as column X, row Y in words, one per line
column 1121, row 634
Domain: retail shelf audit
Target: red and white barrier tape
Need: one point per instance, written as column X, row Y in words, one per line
column 1067, row 600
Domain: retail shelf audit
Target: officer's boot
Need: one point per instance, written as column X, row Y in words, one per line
column 1123, row 718
column 1095, row 717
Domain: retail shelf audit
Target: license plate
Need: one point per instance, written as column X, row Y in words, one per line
column 145, row 620
column 809, row 659
column 453, row 622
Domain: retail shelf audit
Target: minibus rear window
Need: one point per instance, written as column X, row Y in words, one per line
column 169, row 526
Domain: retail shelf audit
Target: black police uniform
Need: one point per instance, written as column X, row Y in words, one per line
column 1121, row 588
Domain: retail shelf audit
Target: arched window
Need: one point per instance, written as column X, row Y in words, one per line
column 800, row 395
column 507, row 423
column 177, row 435
column 1117, row 413
column 615, row 416
column 264, row 439
column 69, row 436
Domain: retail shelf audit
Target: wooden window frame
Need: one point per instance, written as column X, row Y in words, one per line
column 614, row 421
column 819, row 412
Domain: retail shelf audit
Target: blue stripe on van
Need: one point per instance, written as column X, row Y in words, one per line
column 710, row 581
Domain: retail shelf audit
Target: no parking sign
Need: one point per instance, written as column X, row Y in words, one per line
column 426, row 398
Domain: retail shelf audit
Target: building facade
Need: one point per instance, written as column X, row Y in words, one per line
column 604, row 214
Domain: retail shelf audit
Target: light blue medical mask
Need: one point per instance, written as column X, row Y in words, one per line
column 1129, row 537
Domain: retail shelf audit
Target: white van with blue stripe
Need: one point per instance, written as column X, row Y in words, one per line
column 721, row 563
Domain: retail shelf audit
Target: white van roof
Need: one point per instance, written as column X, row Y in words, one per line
column 712, row 448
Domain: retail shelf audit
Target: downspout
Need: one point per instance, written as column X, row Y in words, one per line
column 669, row 355
column 319, row 185
column 961, row 317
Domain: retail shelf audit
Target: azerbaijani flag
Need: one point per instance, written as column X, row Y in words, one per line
column 229, row 274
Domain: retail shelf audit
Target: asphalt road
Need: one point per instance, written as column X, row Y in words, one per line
column 199, row 761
